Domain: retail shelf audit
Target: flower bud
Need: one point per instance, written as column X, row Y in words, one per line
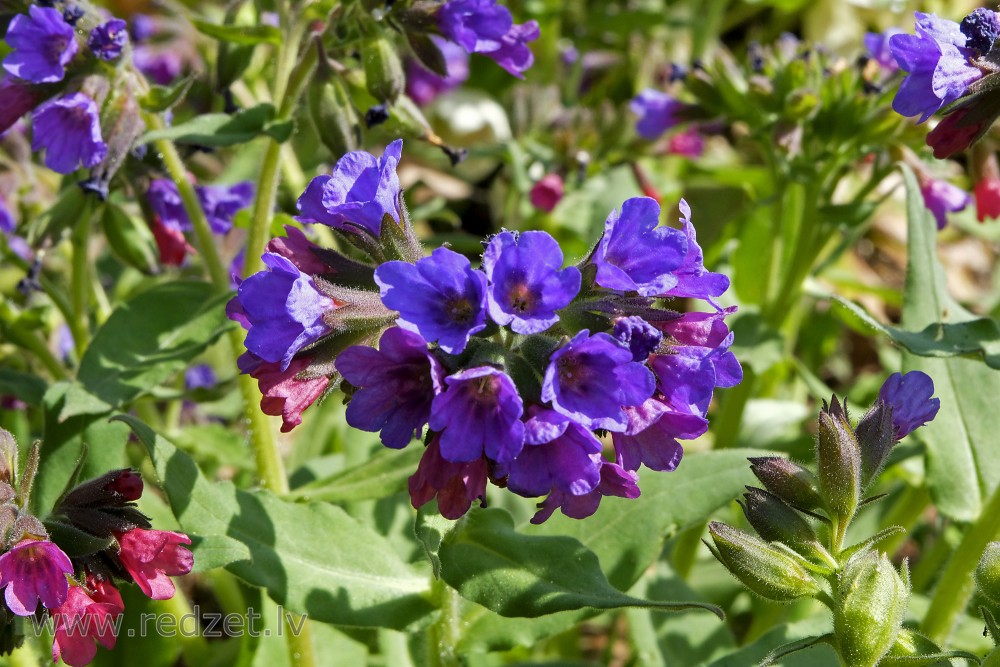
column 121, row 125
column 8, row 457
column 763, row 569
column 839, row 460
column 776, row 521
column 870, row 610
column 130, row 240
column 333, row 115
column 383, row 69
column 789, row 481
column 988, row 572
column 875, row 435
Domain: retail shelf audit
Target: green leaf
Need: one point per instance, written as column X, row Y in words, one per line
column 161, row 98
column 144, row 342
column 430, row 529
column 962, row 465
column 783, row 635
column 240, row 34
column 313, row 559
column 512, row 574
column 29, row 388
column 382, row 475
column 219, row 129
column 73, row 541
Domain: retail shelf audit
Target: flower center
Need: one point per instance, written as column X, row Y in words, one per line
column 460, row 310
column 521, row 298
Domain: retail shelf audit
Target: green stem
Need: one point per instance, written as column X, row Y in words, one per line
column 956, row 584
column 29, row 341
column 300, row 643
column 444, row 633
column 80, row 281
column 285, row 98
column 193, row 645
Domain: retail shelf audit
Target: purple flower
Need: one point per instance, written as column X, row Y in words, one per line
column 201, row 376
column 651, row 436
column 143, row 27
column 910, row 398
column 941, row 198
column 877, row 46
column 657, row 111
column 615, row 481
column 693, row 280
column 636, row 254
column 396, row 382
column 527, row 286
column 7, row 222
column 440, row 297
column 483, row 26
column 424, row 86
column 161, row 66
column 69, row 130
column 641, row 337
column 981, row 28
column 937, row 62
column 591, row 378
column 221, row 202
column 282, row 310
column 559, row 456
column 42, row 42
column 34, row 570
column 479, row 413
column 167, row 205
column 108, row 40
column 359, row 193
column 18, row 99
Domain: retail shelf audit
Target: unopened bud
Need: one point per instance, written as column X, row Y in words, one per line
column 870, row 610
column 794, row 484
column 121, row 125
column 839, row 460
column 763, row 569
column 988, row 572
column 126, row 483
column 776, row 521
column 8, row 457
column 383, row 69
column 333, row 115
column 875, row 439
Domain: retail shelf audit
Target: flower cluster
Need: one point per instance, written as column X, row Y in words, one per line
column 512, row 371
column 944, row 61
column 111, row 541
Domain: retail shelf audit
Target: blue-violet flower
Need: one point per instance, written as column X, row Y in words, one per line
column 910, row 398
column 69, row 129
column 43, row 44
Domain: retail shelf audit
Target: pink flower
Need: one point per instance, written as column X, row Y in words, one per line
column 547, row 192
column 34, row 570
column 151, row 557
column 941, row 198
column 171, row 243
column 956, row 132
column 285, row 395
column 456, row 485
column 987, row 193
column 84, row 621
column 688, row 143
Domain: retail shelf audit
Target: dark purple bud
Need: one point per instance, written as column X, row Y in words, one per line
column 981, row 28
column 839, row 459
column 641, row 337
column 376, row 115
column 876, row 436
column 789, row 481
column 775, row 521
column 107, row 41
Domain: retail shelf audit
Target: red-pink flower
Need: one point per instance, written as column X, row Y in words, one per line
column 456, row 485
column 547, row 192
column 688, row 143
column 84, row 621
column 987, row 193
column 151, row 557
column 955, row 133
column 284, row 395
column 34, row 570
column 171, row 243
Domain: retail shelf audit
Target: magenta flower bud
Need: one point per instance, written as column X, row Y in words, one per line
column 547, row 192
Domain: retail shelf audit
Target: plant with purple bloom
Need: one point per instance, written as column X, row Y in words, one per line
column 657, row 111
column 479, row 413
column 560, row 456
column 910, row 397
column 424, row 86
column 43, row 43
column 222, row 202
column 527, row 286
column 456, row 485
column 68, row 128
column 108, row 40
column 358, row 194
column 396, row 384
column 641, row 337
column 165, row 201
column 483, row 26
column 937, row 63
column 592, row 378
column 941, row 198
column 201, row 376
column 33, row 571
column 693, row 280
column 877, row 46
column 7, row 222
column 981, row 28
column 636, row 253
column 615, row 481
column 282, row 311
column 440, row 297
